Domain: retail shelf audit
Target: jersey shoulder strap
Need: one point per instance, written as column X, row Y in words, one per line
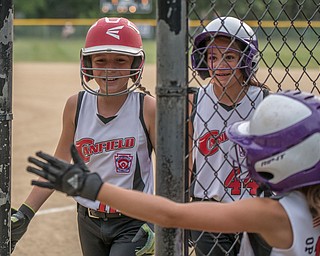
column 80, row 97
column 141, row 100
column 141, row 118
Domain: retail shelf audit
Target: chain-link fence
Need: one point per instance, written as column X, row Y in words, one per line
column 240, row 51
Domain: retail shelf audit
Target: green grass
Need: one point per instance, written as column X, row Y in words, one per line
column 290, row 54
column 277, row 54
column 59, row 50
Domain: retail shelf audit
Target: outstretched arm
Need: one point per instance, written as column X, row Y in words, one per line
column 252, row 215
column 256, row 215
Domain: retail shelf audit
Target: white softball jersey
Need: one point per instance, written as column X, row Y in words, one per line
column 306, row 230
column 213, row 156
column 118, row 150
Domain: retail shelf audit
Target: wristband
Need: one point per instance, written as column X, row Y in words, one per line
column 27, row 210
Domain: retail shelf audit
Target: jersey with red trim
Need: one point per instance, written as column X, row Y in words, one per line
column 119, row 149
column 306, row 230
column 213, row 156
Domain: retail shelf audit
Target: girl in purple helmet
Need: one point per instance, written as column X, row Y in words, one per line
column 226, row 56
column 281, row 146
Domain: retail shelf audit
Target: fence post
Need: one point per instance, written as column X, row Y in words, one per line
column 6, row 43
column 171, row 103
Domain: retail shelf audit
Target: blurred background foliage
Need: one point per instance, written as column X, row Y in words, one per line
column 67, row 9
column 253, row 9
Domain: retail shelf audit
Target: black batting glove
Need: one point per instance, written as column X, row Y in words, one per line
column 20, row 220
column 72, row 179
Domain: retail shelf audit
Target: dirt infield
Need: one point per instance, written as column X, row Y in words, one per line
column 40, row 91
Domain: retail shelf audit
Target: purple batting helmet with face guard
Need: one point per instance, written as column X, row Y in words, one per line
column 236, row 30
column 282, row 141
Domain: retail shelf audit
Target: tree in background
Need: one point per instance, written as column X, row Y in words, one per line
column 67, row 9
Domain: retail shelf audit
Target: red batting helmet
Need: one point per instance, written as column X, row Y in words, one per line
column 112, row 35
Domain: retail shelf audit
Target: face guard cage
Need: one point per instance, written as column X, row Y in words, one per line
column 86, row 74
column 201, row 63
column 249, row 53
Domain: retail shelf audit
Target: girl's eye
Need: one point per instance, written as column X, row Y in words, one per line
column 121, row 60
column 99, row 61
column 230, row 57
column 212, row 58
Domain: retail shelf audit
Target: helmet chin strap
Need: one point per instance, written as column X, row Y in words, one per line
column 265, row 189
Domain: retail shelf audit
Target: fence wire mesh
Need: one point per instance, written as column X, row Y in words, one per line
column 234, row 64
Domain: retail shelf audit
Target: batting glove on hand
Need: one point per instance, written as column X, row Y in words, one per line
column 72, row 179
column 20, row 220
column 146, row 230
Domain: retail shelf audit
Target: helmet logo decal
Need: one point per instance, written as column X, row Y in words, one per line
column 114, row 32
column 272, row 159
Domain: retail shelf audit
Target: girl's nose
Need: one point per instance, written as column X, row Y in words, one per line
column 221, row 63
column 109, row 68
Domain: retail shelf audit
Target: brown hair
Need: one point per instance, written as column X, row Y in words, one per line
column 254, row 82
column 312, row 194
column 144, row 90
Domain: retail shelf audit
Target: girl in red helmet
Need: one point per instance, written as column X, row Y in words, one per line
column 113, row 128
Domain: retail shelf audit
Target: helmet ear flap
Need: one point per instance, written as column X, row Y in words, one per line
column 86, row 66
column 200, row 64
column 250, row 60
column 136, row 64
column 199, row 57
column 255, row 63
